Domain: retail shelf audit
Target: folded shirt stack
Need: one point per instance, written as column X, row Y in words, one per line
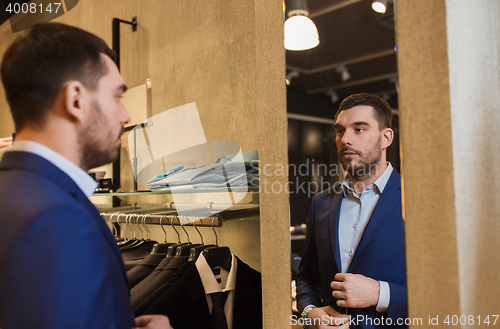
column 230, row 171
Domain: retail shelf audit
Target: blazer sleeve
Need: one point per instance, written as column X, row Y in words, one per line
column 398, row 305
column 309, row 277
column 63, row 273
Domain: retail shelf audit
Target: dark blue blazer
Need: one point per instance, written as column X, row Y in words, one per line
column 60, row 266
column 380, row 254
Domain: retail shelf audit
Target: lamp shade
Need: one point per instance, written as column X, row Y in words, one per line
column 300, row 33
column 380, row 6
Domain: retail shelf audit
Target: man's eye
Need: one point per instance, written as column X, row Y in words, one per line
column 340, row 132
column 358, row 130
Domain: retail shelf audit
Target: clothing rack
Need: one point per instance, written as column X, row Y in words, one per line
column 202, row 216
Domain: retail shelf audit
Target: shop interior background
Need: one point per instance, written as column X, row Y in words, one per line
column 357, row 53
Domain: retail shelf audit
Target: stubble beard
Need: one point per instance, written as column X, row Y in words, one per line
column 367, row 166
column 95, row 149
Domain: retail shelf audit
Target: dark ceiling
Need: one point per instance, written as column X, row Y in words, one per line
column 351, row 33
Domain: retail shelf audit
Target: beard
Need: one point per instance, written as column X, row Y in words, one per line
column 97, row 143
column 367, row 165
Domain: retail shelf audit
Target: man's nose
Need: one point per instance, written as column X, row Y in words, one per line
column 125, row 117
column 346, row 138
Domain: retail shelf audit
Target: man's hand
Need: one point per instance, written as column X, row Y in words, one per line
column 326, row 317
column 355, row 290
column 152, row 322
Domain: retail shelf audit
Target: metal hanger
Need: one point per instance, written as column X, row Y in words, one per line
column 161, row 225
column 172, row 224
column 185, row 249
column 196, row 228
column 125, row 240
column 218, row 256
column 195, row 251
column 115, row 231
column 129, row 243
column 113, row 228
column 172, row 249
column 182, row 226
column 162, row 247
column 148, row 232
column 139, row 226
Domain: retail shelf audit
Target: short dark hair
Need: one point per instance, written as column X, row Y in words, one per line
column 383, row 112
column 37, row 65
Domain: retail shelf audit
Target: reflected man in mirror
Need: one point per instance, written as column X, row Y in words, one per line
column 60, row 266
column 354, row 254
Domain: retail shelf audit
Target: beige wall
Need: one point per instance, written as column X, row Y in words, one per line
column 6, row 123
column 427, row 158
column 449, row 94
column 228, row 57
column 474, row 61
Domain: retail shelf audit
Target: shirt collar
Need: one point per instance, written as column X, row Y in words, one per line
column 208, row 280
column 83, row 180
column 380, row 183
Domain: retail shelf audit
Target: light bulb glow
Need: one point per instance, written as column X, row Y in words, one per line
column 300, row 33
column 379, row 7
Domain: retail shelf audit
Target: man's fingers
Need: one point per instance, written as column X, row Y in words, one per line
column 155, row 321
column 342, row 303
column 338, row 294
column 340, row 277
column 336, row 285
column 143, row 320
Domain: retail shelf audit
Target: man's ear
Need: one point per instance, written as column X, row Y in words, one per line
column 75, row 100
column 387, row 137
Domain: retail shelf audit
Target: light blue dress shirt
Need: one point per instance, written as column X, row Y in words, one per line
column 355, row 212
column 83, row 180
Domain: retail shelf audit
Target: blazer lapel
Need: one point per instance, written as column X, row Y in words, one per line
column 198, row 307
column 385, row 205
column 333, row 222
column 199, row 313
column 244, row 298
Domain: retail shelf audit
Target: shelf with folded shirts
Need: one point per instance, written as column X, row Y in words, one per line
column 161, row 202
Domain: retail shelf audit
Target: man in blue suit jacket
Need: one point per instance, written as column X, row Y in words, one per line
column 60, row 266
column 354, row 255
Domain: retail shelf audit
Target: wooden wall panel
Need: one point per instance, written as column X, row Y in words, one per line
column 227, row 57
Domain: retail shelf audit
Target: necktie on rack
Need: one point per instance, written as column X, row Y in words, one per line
column 218, row 316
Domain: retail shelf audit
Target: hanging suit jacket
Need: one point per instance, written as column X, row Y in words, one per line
column 152, row 298
column 146, row 287
column 380, row 254
column 185, row 303
column 60, row 266
column 138, row 273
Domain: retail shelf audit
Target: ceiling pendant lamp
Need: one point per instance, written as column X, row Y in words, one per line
column 300, row 31
column 380, row 6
